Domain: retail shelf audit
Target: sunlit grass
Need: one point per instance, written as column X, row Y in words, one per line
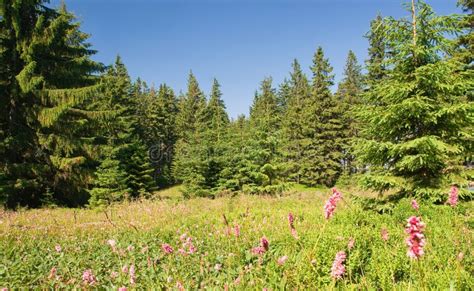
column 28, row 240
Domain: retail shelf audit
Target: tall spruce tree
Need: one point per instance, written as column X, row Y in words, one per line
column 264, row 167
column 53, row 79
column 24, row 169
column 295, row 123
column 349, row 93
column 324, row 154
column 376, row 67
column 416, row 122
column 124, row 148
column 189, row 164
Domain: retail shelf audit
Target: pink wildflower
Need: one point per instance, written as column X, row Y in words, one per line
column 338, row 269
column 130, row 248
column 453, row 196
column 114, row 274
column 52, row 273
column 132, row 275
column 330, row 205
column 415, row 205
column 58, row 248
column 416, row 239
column 183, row 237
column 264, row 243
column 4, row 289
column 180, row 286
column 88, row 277
column 122, row 289
column 258, row 250
column 351, row 243
column 237, row 280
column 282, row 260
column 237, row 230
column 262, row 248
column 187, row 246
column 167, row 248
column 112, row 243
column 125, row 269
column 294, row 233
column 291, row 220
column 384, row 234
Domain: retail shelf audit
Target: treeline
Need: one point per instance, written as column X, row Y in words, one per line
column 74, row 131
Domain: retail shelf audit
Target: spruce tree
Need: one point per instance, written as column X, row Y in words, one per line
column 323, row 155
column 376, row 67
column 24, row 169
column 295, row 122
column 416, row 121
column 54, row 78
column 264, row 166
column 189, row 164
column 349, row 93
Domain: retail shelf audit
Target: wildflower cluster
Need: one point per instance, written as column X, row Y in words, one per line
column 416, row 239
column 330, row 205
column 453, row 196
column 338, row 269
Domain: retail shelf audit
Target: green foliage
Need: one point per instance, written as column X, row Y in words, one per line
column 418, row 121
column 28, row 251
column 325, row 151
column 110, row 184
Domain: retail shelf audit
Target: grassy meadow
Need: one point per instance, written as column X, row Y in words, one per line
column 53, row 248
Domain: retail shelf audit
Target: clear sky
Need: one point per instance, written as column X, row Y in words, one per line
column 239, row 42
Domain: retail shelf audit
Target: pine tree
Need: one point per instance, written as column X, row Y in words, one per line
column 54, row 77
column 465, row 49
column 376, row 67
column 323, row 156
column 23, row 167
column 214, row 138
column 264, row 166
column 349, row 93
column 123, row 142
column 189, row 164
column 110, row 184
column 192, row 108
column 295, row 122
column 416, row 120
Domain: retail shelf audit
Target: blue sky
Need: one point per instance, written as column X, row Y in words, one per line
column 239, row 42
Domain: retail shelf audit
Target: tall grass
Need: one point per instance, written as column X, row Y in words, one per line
column 28, row 240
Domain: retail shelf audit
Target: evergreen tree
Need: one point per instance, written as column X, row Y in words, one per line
column 54, row 78
column 123, row 147
column 323, row 156
column 24, row 169
column 465, row 49
column 192, row 107
column 189, row 164
column 264, row 167
column 416, row 122
column 349, row 92
column 376, row 67
column 158, row 129
column 110, row 184
column 295, row 122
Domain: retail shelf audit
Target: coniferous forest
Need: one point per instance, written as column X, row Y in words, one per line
column 359, row 182
column 76, row 132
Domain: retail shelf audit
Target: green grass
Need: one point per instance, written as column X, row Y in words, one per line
column 28, row 238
